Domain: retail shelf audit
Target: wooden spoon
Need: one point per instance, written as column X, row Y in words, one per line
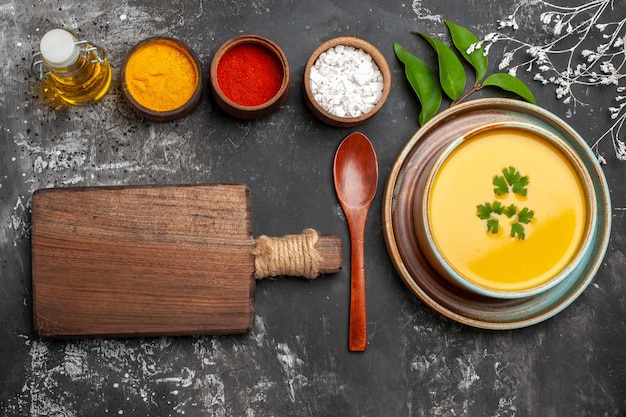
column 356, row 178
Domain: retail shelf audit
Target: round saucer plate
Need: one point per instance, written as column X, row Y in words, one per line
column 421, row 278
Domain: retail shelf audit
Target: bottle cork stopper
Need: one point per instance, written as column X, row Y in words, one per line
column 58, row 48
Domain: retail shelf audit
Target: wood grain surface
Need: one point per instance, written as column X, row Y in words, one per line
column 146, row 260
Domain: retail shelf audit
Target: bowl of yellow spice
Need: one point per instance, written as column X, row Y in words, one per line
column 162, row 78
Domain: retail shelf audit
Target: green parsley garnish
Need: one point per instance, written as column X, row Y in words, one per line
column 492, row 226
column 511, row 181
column 483, row 211
column 510, row 211
column 518, row 229
column 525, row 216
column 501, row 187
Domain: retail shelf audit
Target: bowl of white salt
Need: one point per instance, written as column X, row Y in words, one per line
column 346, row 81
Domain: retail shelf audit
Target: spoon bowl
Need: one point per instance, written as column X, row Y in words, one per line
column 355, row 173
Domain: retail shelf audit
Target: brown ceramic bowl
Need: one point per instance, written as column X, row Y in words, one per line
column 405, row 189
column 244, row 111
column 133, row 79
column 323, row 114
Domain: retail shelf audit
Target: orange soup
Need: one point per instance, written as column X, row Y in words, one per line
column 507, row 209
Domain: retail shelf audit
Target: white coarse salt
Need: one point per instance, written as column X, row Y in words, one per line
column 346, row 82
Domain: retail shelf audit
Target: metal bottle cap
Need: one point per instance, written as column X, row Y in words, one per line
column 59, row 49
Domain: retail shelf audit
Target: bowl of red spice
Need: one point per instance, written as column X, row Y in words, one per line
column 249, row 77
column 346, row 81
column 161, row 78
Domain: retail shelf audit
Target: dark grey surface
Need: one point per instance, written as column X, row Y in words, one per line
column 295, row 362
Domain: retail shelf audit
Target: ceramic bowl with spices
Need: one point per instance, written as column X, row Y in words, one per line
column 249, row 77
column 162, row 78
column 346, row 81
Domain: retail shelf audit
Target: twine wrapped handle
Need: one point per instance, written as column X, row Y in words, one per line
column 305, row 255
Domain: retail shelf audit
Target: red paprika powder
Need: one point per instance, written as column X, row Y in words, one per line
column 249, row 74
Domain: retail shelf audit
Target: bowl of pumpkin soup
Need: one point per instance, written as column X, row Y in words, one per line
column 504, row 210
column 496, row 214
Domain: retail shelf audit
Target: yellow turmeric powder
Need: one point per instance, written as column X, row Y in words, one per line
column 161, row 75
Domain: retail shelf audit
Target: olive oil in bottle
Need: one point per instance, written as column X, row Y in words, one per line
column 73, row 70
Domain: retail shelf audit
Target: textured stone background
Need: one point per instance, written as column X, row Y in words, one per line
column 295, row 361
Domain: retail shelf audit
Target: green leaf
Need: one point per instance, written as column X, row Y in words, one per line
column 519, row 187
column 525, row 216
column 518, row 229
column 511, row 174
column 463, row 39
column 516, row 181
column 492, row 226
column 483, row 211
column 451, row 71
column 510, row 211
column 501, row 187
column 510, row 83
column 423, row 82
column 497, row 207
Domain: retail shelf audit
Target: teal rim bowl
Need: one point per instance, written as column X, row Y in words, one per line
column 446, row 267
column 417, row 273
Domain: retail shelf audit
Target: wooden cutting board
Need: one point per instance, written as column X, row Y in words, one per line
column 146, row 260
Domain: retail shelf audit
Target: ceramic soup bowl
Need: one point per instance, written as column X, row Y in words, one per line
column 505, row 210
column 457, row 175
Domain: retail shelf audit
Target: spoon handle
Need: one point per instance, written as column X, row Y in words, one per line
column 358, row 320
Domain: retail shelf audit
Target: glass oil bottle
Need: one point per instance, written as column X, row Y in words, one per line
column 73, row 70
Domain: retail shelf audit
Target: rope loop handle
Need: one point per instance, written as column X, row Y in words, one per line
column 292, row 255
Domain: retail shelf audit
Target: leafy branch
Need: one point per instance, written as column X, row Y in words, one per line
column 452, row 79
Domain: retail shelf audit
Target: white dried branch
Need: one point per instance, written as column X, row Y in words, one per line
column 566, row 62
